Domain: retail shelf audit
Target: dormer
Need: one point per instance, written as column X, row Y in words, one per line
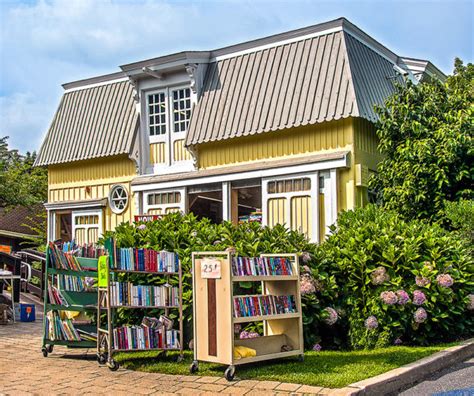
column 167, row 88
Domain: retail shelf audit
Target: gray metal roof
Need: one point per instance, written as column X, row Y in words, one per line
column 310, row 81
column 90, row 123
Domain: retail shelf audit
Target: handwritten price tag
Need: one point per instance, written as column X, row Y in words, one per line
column 210, row 268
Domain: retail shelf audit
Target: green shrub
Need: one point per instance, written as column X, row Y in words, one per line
column 369, row 252
column 373, row 251
column 460, row 215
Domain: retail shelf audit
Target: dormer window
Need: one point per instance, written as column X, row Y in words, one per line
column 168, row 114
column 157, row 114
column 181, row 109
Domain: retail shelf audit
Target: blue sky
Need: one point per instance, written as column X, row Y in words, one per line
column 46, row 43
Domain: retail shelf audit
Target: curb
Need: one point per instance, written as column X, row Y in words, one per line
column 401, row 377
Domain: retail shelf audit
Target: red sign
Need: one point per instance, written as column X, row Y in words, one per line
column 147, row 218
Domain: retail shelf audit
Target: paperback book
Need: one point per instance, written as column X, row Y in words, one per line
column 127, row 294
column 261, row 266
column 63, row 260
column 260, row 305
column 146, row 260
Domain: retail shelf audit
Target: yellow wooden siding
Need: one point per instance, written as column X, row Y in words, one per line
column 276, row 211
column 179, row 151
column 157, row 153
column 93, row 179
column 301, row 216
column 80, row 236
column 322, row 218
column 325, row 137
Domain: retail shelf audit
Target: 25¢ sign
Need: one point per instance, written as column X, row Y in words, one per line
column 210, row 268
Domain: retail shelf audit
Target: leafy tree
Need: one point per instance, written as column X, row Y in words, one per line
column 20, row 182
column 426, row 137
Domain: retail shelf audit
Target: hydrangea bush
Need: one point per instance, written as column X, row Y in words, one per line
column 401, row 280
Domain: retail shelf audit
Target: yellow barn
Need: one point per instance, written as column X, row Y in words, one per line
column 279, row 130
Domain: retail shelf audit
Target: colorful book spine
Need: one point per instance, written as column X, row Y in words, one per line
column 261, row 305
column 63, row 260
column 146, row 260
column 261, row 266
column 60, row 330
column 71, row 283
column 127, row 294
column 144, row 337
column 55, row 296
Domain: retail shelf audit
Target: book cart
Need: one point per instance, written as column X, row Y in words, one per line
column 80, row 335
column 108, row 304
column 214, row 284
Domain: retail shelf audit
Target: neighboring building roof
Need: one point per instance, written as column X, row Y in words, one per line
column 424, row 70
column 308, row 80
column 12, row 220
column 96, row 121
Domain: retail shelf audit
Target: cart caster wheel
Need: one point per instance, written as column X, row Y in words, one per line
column 229, row 373
column 301, row 358
column 179, row 359
column 49, row 348
column 113, row 365
column 45, row 351
column 101, row 358
column 194, row 367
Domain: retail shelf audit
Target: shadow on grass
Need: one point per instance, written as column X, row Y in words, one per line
column 328, row 368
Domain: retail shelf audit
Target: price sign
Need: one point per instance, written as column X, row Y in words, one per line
column 210, row 268
column 103, row 271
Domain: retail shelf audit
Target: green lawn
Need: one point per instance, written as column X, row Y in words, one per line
column 331, row 369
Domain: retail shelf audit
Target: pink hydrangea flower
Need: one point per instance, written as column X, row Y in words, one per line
column 371, row 323
column 470, row 303
column 244, row 335
column 307, row 284
column 389, row 297
column 306, row 269
column 379, row 276
column 403, row 297
column 253, row 334
column 418, row 297
column 332, row 316
column 422, row 281
column 305, row 257
column 317, row 347
column 398, row 341
column 444, row 280
column 142, row 227
column 420, row 315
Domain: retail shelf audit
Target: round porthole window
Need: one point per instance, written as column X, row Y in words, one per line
column 118, row 198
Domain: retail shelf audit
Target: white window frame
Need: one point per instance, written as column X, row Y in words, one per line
column 170, row 136
column 163, row 207
column 313, row 193
column 77, row 213
column 157, row 138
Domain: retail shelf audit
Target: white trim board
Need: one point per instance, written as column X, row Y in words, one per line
column 87, row 86
column 287, row 170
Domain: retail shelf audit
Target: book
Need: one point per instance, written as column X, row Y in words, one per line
column 63, row 260
column 146, row 260
column 152, row 333
column 59, row 329
column 261, row 266
column 127, row 294
column 55, row 296
column 261, row 305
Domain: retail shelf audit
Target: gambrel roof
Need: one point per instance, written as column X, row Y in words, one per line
column 326, row 76
column 93, row 122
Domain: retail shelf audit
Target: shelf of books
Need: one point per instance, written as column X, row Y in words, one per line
column 146, row 280
column 70, row 296
column 221, row 308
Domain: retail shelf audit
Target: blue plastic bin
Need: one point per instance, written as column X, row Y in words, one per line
column 27, row 313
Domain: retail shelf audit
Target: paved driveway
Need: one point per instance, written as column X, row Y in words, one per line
column 24, row 370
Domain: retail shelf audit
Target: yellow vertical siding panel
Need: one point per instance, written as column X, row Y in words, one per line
column 157, row 153
column 301, row 216
column 179, row 151
column 330, row 136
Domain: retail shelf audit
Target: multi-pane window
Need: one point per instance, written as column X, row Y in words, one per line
column 157, row 114
column 289, row 185
column 181, row 109
column 164, row 198
column 86, row 227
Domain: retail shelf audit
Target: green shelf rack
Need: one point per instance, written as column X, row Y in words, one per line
column 78, row 301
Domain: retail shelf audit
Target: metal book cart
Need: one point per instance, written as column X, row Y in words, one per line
column 106, row 311
column 214, row 314
column 77, row 301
